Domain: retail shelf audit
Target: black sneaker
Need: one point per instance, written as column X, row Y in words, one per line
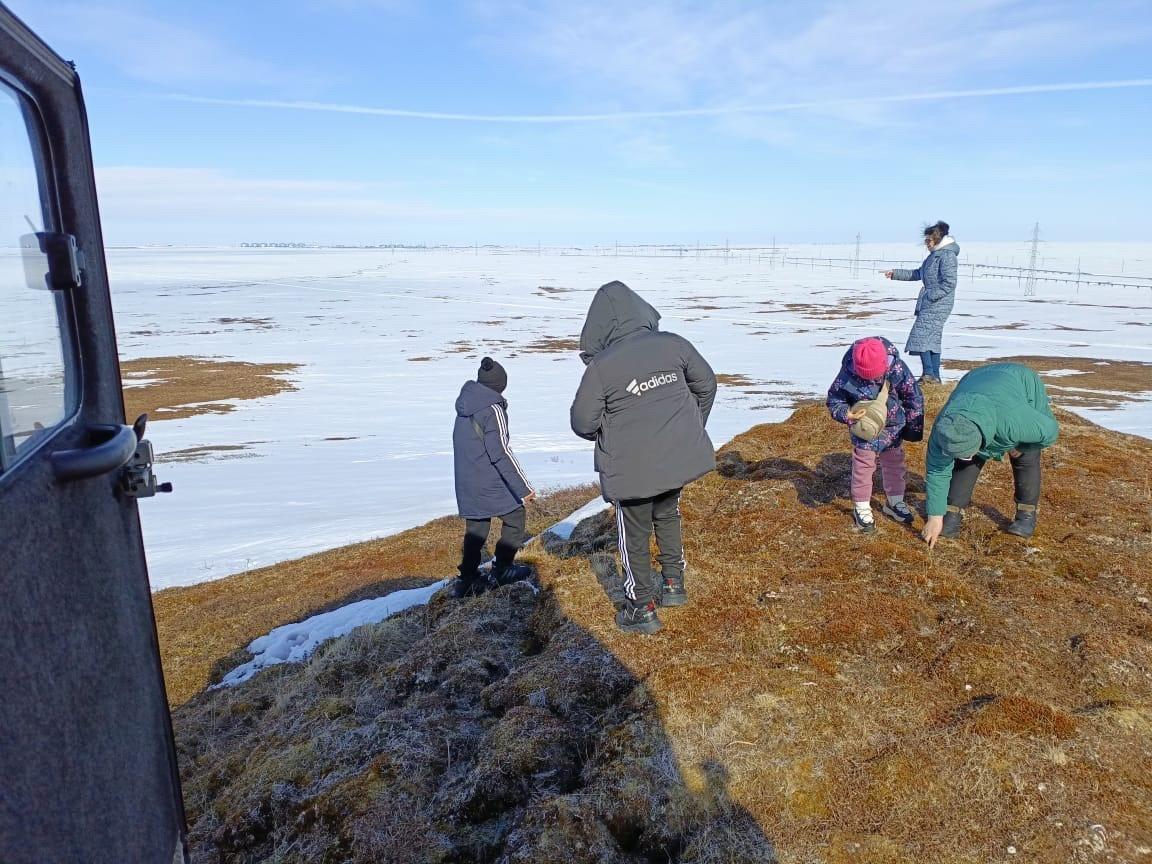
column 1024, row 525
column 672, row 591
column 864, row 521
column 953, row 520
column 928, row 380
column 899, row 511
column 638, row 619
column 508, row 573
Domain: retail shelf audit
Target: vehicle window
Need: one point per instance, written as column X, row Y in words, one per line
column 34, row 392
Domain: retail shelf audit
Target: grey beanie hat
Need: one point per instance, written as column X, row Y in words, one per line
column 492, row 375
column 959, row 437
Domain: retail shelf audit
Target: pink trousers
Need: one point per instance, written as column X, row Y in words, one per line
column 891, row 469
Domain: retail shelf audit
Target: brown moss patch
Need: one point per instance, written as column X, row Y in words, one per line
column 1020, row 715
column 173, row 388
column 199, row 623
column 857, row 699
column 553, row 345
column 845, row 310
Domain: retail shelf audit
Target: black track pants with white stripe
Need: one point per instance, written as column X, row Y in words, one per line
column 636, row 520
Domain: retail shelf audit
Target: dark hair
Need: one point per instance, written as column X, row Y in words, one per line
column 937, row 232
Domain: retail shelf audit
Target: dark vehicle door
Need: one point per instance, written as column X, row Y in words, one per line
column 87, row 765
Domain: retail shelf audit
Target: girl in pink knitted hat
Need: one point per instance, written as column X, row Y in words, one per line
column 871, row 368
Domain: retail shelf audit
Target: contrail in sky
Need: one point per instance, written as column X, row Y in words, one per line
column 716, row 111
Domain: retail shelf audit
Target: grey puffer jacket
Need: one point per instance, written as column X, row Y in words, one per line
column 934, row 305
column 644, row 399
column 489, row 480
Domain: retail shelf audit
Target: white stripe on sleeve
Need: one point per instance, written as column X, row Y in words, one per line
column 506, row 443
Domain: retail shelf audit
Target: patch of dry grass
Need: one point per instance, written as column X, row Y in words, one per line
column 735, row 380
column 200, row 624
column 875, row 701
column 173, row 388
column 553, row 345
column 858, row 699
column 846, row 309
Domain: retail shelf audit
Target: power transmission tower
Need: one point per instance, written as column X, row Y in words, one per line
column 1030, row 282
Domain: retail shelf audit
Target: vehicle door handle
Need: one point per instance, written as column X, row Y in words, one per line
column 111, row 448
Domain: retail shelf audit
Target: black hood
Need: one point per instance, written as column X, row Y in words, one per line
column 475, row 397
column 616, row 313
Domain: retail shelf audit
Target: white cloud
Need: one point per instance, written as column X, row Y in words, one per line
column 846, row 106
column 670, row 52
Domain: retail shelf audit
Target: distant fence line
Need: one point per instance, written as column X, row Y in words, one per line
column 985, row 271
column 779, row 256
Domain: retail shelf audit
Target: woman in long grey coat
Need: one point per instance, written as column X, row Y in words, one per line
column 934, row 305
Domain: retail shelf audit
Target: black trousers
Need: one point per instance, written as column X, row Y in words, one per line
column 512, row 537
column 1025, row 474
column 635, row 521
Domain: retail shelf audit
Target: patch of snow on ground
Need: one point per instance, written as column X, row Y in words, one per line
column 293, row 643
column 565, row 527
column 1061, row 373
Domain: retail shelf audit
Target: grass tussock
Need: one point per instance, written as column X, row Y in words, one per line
column 201, row 624
column 825, row 697
column 173, row 388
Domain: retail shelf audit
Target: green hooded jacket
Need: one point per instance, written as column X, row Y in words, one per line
column 1009, row 404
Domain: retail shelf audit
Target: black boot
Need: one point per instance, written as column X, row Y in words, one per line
column 672, row 591
column 953, row 520
column 1024, row 525
column 638, row 619
column 462, row 587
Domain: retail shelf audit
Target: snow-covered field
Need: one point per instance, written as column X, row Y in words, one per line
column 386, row 337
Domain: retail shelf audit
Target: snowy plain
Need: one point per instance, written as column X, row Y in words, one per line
column 386, row 337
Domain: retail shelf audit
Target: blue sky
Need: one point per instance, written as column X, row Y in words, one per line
column 218, row 122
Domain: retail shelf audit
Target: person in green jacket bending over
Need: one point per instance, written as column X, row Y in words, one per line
column 997, row 409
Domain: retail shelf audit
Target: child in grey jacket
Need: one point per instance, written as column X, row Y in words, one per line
column 489, row 480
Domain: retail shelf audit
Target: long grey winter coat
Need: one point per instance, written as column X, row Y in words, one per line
column 644, row 399
column 934, row 305
column 489, row 480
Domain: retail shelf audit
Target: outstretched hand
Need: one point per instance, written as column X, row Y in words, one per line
column 933, row 525
column 887, row 274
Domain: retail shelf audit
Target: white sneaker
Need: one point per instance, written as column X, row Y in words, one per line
column 863, row 519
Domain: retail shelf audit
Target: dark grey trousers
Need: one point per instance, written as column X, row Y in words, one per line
column 512, row 537
column 1025, row 473
column 636, row 520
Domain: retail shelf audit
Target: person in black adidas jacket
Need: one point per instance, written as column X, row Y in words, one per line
column 644, row 399
column 489, row 480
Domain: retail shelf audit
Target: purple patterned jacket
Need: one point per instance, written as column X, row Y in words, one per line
column 905, row 401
